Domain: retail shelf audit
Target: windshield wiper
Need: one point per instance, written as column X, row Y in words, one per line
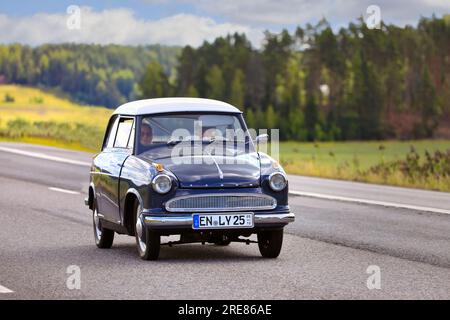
column 173, row 142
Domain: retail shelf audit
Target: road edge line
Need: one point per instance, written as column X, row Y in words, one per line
column 371, row 202
column 44, row 156
column 63, row 190
column 5, row 289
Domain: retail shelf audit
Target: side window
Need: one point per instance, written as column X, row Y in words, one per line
column 111, row 134
column 131, row 140
column 123, row 133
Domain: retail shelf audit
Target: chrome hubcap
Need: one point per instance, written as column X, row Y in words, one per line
column 140, row 229
column 98, row 230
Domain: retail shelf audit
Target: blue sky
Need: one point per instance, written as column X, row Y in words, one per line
column 142, row 8
column 181, row 22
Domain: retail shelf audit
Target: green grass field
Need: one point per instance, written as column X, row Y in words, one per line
column 34, row 116
column 33, row 104
column 354, row 160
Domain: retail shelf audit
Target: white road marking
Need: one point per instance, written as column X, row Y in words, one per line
column 44, row 156
column 366, row 201
column 5, row 290
column 63, row 190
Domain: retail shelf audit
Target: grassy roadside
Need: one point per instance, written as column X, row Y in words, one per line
column 418, row 164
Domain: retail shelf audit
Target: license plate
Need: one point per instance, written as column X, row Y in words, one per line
column 222, row 221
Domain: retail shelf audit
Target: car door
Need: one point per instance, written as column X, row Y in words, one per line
column 100, row 161
column 122, row 148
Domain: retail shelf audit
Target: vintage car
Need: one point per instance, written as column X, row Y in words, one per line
column 170, row 166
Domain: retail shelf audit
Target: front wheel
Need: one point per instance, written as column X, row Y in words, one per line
column 103, row 237
column 148, row 242
column 270, row 242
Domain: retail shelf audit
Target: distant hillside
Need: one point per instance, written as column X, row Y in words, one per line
column 90, row 74
column 32, row 115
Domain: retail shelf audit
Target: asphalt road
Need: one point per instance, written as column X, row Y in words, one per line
column 325, row 255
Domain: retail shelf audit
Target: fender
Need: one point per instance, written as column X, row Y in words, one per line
column 89, row 201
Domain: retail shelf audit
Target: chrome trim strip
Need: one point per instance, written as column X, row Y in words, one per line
column 274, row 218
column 186, row 221
column 101, row 173
column 273, row 206
column 217, row 165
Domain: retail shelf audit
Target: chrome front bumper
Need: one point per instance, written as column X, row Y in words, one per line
column 185, row 221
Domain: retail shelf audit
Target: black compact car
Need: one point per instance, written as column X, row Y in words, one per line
column 188, row 167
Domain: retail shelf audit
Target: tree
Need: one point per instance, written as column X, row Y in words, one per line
column 215, row 83
column 311, row 118
column 369, row 100
column 192, row 92
column 237, row 95
column 428, row 105
column 154, row 84
column 271, row 118
column 250, row 119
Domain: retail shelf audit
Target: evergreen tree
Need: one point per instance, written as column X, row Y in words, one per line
column 237, row 94
column 215, row 83
column 154, row 84
column 311, row 118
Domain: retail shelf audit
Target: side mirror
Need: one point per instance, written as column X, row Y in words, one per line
column 262, row 138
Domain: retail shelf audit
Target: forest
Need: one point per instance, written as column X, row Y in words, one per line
column 87, row 74
column 313, row 83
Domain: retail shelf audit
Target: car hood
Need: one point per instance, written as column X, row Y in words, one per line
column 208, row 171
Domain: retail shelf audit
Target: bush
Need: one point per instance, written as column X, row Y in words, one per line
column 416, row 167
column 87, row 136
column 37, row 100
column 9, row 98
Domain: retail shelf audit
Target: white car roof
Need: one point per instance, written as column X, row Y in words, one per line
column 162, row 105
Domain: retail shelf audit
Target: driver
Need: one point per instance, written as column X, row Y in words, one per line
column 146, row 136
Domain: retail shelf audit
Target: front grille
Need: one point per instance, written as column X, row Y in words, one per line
column 221, row 202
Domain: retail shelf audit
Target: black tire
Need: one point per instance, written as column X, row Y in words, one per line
column 104, row 238
column 148, row 242
column 270, row 243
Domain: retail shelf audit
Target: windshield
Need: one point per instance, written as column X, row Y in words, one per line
column 224, row 131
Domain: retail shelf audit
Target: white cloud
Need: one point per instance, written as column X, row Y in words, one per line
column 121, row 26
column 300, row 12
column 118, row 26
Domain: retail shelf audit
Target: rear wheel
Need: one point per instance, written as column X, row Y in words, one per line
column 103, row 237
column 270, row 243
column 147, row 241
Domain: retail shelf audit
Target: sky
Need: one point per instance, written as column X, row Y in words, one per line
column 187, row 22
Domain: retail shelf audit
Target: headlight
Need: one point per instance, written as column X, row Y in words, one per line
column 277, row 181
column 162, row 183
